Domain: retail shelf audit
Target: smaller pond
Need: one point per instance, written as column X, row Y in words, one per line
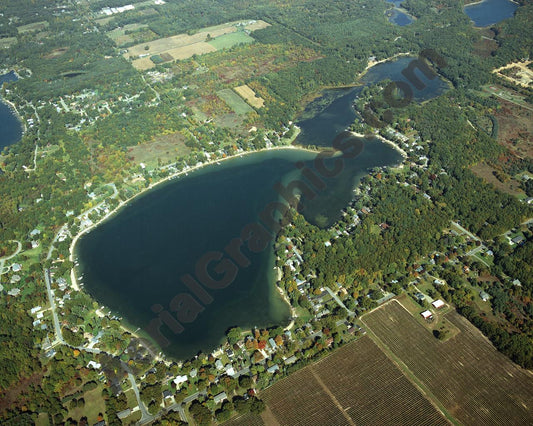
column 397, row 16
column 489, row 12
column 10, row 126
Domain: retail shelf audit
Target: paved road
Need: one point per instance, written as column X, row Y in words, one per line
column 146, row 417
column 475, row 237
column 57, row 327
column 3, row 259
column 339, row 301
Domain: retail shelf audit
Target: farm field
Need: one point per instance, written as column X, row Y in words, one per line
column 357, row 384
column 300, row 400
column 249, row 96
column 184, row 46
column 121, row 36
column 245, row 420
column 234, row 101
column 474, row 382
column 229, row 40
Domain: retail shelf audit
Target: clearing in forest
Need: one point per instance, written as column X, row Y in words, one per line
column 234, row 101
column 164, row 147
column 249, row 96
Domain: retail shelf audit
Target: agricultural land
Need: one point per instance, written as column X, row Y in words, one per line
column 476, row 384
column 182, row 46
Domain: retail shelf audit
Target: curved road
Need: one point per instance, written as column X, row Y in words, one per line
column 11, row 256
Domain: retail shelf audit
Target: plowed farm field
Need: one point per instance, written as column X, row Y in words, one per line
column 476, row 384
column 357, row 384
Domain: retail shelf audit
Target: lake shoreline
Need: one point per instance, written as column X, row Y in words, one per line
column 139, row 333
column 124, row 203
column 13, row 108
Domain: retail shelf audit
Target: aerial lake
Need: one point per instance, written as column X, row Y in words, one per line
column 489, row 12
column 134, row 262
column 397, row 16
column 10, row 127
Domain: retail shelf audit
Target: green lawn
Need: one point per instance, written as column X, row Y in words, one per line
column 229, row 40
column 234, row 101
column 94, row 404
column 42, row 420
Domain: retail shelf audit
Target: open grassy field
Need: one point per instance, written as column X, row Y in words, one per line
column 486, row 172
column 357, row 384
column 7, row 42
column 165, row 147
column 476, row 384
column 234, row 101
column 256, row 25
column 119, row 36
column 229, row 40
column 35, row 26
column 94, row 404
column 249, row 96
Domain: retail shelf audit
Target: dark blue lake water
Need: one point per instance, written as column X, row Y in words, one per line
column 398, row 17
column 10, row 127
column 135, row 262
column 490, row 12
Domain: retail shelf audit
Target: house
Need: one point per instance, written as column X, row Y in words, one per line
column 219, row 365
column 167, row 394
column 124, row 413
column 437, row 304
column 179, row 380
column 272, row 344
column 484, row 296
column 273, row 369
column 420, row 297
column 230, row 371
column 517, row 283
column 14, row 292
column 290, row 360
column 35, row 309
column 16, row 267
column 95, row 365
column 519, row 239
column 427, row 315
column 220, row 397
column 438, row 281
